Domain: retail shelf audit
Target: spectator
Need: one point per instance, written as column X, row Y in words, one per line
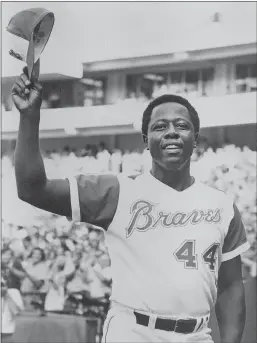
column 98, row 276
column 102, row 271
column 12, row 305
column 103, row 157
column 55, row 297
column 80, row 280
column 12, row 270
column 28, row 247
column 34, row 285
column 36, row 273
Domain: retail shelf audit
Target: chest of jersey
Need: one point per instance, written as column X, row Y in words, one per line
column 183, row 230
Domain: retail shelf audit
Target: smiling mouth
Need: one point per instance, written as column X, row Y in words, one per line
column 172, row 148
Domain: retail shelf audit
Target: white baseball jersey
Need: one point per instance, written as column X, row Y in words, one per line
column 165, row 246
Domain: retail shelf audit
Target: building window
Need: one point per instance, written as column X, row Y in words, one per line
column 192, row 82
column 157, row 84
column 176, row 85
column 57, row 94
column 207, row 81
column 246, row 78
column 94, row 91
column 198, row 82
column 146, row 86
column 132, row 83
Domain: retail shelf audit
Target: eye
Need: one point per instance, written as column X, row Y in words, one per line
column 182, row 126
column 159, row 127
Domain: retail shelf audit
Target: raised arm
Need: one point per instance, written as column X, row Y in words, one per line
column 32, row 183
column 88, row 198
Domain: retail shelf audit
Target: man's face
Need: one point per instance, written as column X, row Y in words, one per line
column 36, row 256
column 171, row 136
column 26, row 243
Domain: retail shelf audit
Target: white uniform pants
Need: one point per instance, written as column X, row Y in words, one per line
column 121, row 327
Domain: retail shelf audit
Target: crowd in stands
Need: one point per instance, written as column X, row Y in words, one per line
column 56, row 264
column 51, row 255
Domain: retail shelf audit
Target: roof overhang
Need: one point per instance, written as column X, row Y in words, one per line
column 178, row 57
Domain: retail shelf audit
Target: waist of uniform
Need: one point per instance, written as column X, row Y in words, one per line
column 152, row 318
column 120, row 306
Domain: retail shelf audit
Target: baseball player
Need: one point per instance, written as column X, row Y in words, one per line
column 174, row 242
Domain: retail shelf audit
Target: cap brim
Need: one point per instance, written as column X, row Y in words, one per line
column 30, row 57
column 35, row 49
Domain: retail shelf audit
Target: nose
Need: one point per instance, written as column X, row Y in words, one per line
column 171, row 132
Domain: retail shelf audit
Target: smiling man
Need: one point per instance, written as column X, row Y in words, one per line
column 174, row 242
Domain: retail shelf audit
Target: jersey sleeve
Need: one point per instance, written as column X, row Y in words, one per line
column 235, row 242
column 94, row 198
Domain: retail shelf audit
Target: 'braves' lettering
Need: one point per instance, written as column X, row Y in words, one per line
column 143, row 219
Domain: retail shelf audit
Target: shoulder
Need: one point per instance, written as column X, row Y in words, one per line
column 218, row 199
column 215, row 193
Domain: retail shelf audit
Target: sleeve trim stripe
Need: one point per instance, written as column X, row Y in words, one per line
column 74, row 199
column 238, row 251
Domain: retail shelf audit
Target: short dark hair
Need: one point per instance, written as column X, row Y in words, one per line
column 43, row 255
column 169, row 98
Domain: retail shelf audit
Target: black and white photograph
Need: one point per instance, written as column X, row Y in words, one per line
column 128, row 171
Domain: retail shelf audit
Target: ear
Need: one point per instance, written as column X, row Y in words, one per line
column 197, row 135
column 145, row 138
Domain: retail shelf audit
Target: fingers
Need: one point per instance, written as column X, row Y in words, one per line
column 17, row 92
column 34, row 78
column 25, row 79
column 20, row 89
column 23, row 85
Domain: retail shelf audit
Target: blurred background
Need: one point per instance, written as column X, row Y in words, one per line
column 104, row 62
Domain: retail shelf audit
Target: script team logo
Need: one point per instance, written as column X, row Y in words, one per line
column 143, row 218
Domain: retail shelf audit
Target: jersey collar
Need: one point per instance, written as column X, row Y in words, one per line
column 160, row 185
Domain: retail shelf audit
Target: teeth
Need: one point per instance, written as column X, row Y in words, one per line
column 171, row 146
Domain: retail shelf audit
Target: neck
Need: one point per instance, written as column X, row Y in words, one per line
column 177, row 179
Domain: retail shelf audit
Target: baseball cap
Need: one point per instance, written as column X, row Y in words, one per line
column 35, row 26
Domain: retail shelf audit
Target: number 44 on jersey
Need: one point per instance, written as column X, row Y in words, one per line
column 186, row 253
